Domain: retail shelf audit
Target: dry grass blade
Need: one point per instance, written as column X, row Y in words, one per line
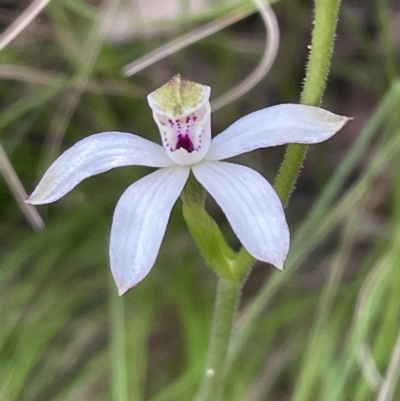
column 270, row 49
column 389, row 384
column 270, row 372
column 28, row 74
column 186, row 40
column 69, row 102
column 365, row 358
column 22, row 22
column 369, row 368
column 270, row 52
column 31, row 75
column 15, row 185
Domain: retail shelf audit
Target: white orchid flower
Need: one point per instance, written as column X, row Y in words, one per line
column 181, row 109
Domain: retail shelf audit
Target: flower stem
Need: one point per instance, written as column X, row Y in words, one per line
column 224, row 313
column 326, row 16
column 119, row 381
column 289, row 171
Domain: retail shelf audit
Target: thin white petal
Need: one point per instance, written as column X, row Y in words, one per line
column 94, row 155
column 273, row 126
column 139, row 224
column 251, row 206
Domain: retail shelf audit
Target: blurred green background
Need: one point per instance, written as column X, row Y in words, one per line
column 325, row 329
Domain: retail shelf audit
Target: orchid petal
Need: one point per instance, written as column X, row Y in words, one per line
column 94, row 155
column 139, row 224
column 251, row 206
column 273, row 126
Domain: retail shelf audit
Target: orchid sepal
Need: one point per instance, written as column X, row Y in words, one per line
column 145, row 205
column 94, row 155
column 274, row 126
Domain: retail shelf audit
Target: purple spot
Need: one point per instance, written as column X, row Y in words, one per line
column 185, row 143
column 187, row 120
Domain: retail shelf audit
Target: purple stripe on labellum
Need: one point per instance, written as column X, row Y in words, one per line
column 185, row 143
column 184, row 133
